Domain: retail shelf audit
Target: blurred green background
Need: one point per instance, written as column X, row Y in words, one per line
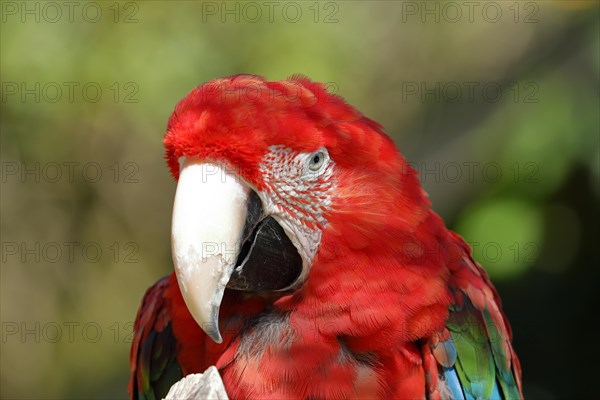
column 496, row 103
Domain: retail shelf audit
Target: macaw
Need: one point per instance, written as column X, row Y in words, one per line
column 308, row 263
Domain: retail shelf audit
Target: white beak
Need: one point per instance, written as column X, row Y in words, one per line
column 208, row 220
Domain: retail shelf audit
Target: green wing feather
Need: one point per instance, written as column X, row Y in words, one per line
column 153, row 358
column 506, row 375
column 474, row 355
column 474, row 363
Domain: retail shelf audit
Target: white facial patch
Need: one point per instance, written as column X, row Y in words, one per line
column 300, row 191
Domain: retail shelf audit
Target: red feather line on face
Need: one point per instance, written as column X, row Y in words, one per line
column 372, row 316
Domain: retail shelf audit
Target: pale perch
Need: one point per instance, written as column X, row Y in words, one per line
column 206, row 386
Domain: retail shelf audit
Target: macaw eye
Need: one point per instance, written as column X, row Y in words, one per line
column 317, row 160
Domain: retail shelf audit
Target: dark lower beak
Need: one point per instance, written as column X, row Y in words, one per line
column 268, row 260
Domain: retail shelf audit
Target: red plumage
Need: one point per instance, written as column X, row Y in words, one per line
column 376, row 302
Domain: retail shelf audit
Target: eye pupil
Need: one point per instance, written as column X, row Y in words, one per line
column 316, row 159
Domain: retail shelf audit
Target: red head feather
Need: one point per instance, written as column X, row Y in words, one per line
column 237, row 118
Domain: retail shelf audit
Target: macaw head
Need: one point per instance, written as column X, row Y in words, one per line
column 279, row 184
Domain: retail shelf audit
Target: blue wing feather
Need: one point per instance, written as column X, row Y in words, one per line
column 453, row 383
